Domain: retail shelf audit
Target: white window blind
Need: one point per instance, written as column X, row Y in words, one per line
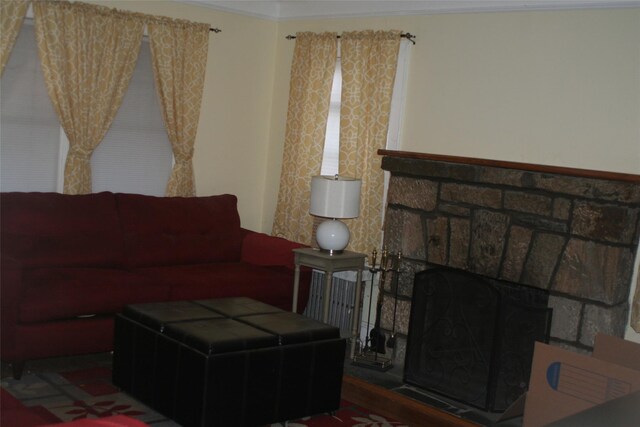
column 398, row 99
column 134, row 157
column 29, row 128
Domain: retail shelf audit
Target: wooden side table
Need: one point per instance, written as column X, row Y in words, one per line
column 344, row 261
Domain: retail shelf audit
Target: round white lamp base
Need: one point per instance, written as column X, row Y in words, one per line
column 333, row 236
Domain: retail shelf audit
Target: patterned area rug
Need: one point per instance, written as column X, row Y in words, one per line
column 88, row 393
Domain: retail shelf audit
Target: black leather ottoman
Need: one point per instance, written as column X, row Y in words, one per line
column 227, row 362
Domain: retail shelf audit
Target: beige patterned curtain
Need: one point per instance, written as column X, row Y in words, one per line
column 312, row 69
column 88, row 54
column 369, row 60
column 11, row 16
column 179, row 56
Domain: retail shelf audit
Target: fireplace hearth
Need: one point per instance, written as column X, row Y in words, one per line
column 471, row 337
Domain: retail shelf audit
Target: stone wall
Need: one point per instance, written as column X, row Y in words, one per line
column 575, row 236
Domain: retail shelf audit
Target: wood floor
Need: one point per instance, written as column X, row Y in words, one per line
column 391, row 404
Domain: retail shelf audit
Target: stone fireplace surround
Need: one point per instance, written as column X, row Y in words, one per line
column 570, row 231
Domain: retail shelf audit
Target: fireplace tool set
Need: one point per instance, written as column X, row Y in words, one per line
column 372, row 353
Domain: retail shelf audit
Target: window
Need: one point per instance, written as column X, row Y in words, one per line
column 134, row 157
column 332, row 138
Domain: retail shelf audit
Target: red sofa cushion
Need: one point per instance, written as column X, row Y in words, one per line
column 51, row 229
column 271, row 285
column 62, row 293
column 179, row 230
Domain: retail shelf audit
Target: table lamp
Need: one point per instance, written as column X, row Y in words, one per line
column 335, row 197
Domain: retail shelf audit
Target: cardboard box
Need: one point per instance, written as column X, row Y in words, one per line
column 564, row 383
column 620, row 412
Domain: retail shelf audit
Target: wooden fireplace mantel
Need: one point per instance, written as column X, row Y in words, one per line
column 394, row 405
column 559, row 170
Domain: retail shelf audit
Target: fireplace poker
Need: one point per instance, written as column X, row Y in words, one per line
column 391, row 342
column 378, row 337
column 373, row 270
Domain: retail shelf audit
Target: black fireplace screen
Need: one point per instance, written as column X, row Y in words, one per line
column 471, row 338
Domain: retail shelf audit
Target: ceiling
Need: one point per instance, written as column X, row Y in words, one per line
column 301, row 9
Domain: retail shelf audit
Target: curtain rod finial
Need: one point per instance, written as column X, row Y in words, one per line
column 409, row 37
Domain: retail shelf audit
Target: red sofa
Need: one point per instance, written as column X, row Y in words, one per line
column 69, row 263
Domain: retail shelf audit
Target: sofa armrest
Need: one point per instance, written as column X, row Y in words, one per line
column 263, row 249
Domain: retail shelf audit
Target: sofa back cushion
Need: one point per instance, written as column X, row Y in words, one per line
column 179, row 230
column 51, row 229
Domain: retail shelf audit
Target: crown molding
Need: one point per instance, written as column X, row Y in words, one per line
column 316, row 9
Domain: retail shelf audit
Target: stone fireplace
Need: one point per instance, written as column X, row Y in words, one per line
column 572, row 232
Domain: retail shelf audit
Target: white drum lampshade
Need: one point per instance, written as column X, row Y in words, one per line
column 334, row 197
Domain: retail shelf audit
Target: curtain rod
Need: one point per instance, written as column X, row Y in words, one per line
column 215, row 30
column 407, row 36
